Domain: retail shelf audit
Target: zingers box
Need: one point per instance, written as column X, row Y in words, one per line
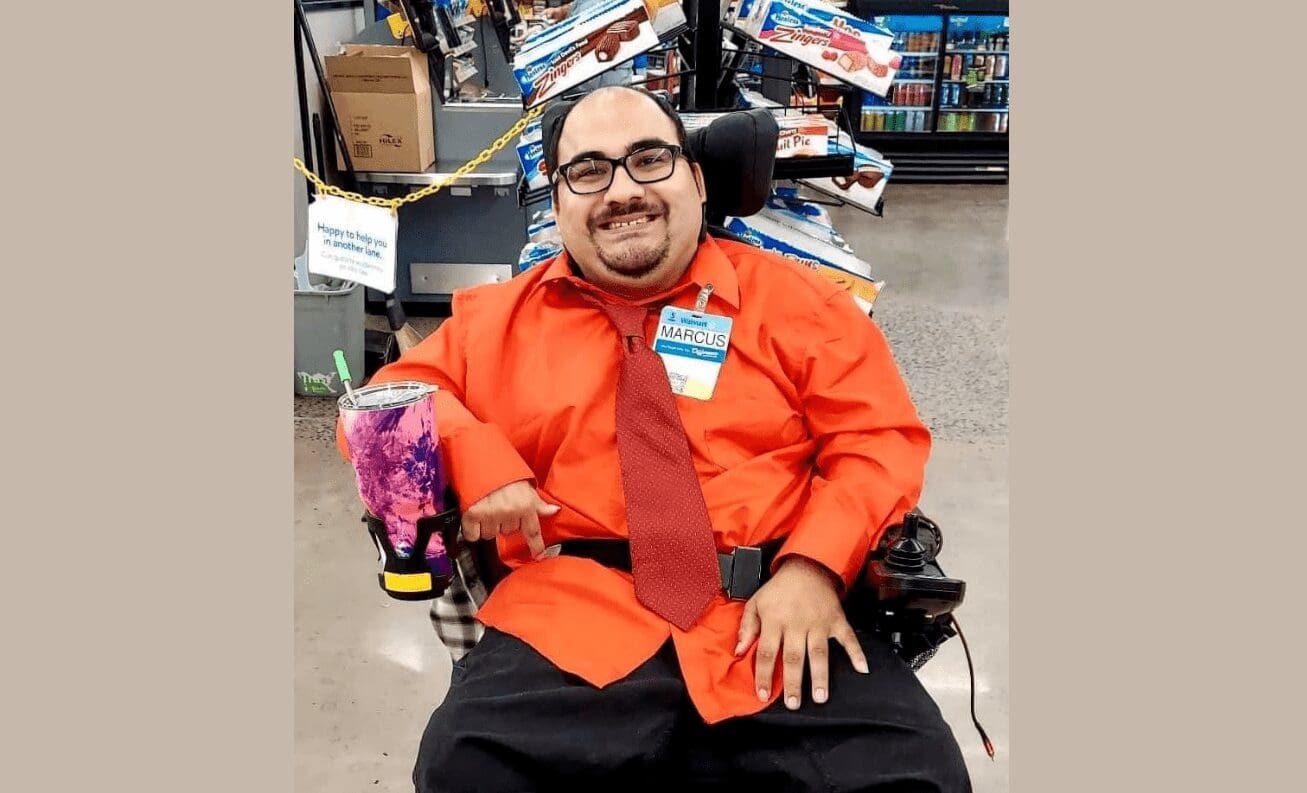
column 383, row 96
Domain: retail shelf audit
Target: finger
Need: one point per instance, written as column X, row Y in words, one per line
column 764, row 662
column 749, row 627
column 490, row 528
column 545, row 508
column 818, row 665
column 849, row 641
column 793, row 651
column 530, row 527
column 471, row 529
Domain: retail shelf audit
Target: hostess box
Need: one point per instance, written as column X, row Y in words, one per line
column 531, row 154
column 845, row 47
column 580, row 49
column 803, row 135
column 864, row 187
column 841, row 267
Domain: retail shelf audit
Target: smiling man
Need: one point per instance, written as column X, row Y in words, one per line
column 711, row 438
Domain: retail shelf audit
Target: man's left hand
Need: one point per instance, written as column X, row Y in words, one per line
column 794, row 616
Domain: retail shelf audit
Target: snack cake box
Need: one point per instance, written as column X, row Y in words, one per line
column 839, row 44
column 842, row 267
column 581, row 49
column 531, row 154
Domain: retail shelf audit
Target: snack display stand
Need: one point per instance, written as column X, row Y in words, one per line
column 711, row 59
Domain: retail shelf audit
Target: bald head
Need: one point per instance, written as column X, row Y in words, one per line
column 635, row 235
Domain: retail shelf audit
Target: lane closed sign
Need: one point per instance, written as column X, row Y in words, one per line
column 352, row 241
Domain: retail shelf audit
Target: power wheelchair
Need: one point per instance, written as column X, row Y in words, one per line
column 903, row 593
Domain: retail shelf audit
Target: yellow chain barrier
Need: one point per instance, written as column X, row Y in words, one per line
column 393, row 204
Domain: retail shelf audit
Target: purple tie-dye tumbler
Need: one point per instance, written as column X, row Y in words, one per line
column 391, row 432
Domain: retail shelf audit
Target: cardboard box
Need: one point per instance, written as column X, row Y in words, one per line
column 383, row 96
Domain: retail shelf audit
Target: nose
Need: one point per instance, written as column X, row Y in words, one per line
column 623, row 188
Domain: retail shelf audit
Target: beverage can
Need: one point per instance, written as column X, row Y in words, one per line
column 1000, row 69
column 990, row 65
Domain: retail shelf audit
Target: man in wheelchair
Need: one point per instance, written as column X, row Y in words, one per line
column 685, row 450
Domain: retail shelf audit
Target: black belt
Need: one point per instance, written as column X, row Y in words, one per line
column 743, row 570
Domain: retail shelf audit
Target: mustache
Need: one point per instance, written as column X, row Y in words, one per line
column 634, row 207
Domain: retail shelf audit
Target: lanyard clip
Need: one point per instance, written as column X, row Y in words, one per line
column 701, row 303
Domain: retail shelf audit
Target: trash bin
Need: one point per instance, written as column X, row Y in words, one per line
column 328, row 317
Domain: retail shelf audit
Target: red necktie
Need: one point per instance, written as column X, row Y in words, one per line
column 673, row 556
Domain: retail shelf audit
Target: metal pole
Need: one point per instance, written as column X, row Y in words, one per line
column 707, row 53
column 302, row 98
column 303, row 22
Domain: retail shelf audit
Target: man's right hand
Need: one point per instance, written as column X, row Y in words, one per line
column 513, row 507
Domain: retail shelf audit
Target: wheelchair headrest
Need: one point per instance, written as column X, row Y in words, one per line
column 736, row 152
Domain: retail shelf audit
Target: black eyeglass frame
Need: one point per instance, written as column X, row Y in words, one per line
column 561, row 171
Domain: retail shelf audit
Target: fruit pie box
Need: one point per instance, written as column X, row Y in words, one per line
column 841, row 45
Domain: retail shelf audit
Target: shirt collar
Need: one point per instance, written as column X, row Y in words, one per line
column 710, row 265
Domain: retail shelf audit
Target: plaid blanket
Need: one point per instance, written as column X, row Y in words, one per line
column 453, row 614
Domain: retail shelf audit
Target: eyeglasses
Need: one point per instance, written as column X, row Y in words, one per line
column 595, row 174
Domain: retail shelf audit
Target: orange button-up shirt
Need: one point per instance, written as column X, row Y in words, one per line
column 810, row 435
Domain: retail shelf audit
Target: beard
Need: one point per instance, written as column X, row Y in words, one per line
column 630, row 258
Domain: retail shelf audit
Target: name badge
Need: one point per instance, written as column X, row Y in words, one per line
column 693, row 347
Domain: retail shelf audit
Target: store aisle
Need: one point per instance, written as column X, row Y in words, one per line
column 369, row 670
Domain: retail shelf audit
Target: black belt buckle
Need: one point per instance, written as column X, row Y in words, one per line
column 742, row 571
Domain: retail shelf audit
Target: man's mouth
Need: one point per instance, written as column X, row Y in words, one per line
column 628, row 222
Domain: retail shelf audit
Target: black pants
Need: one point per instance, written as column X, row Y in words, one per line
column 514, row 722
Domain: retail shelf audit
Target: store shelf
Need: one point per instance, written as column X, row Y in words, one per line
column 812, row 167
column 914, row 80
column 462, row 49
column 946, row 109
column 432, row 176
column 922, row 166
column 980, row 82
column 919, row 54
column 977, row 52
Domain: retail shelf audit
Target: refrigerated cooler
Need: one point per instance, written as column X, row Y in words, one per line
column 947, row 117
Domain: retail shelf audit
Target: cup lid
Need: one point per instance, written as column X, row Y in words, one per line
column 386, row 395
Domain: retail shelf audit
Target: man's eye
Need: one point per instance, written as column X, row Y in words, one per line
column 589, row 168
column 652, row 157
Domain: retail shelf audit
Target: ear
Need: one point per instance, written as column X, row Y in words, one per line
column 699, row 183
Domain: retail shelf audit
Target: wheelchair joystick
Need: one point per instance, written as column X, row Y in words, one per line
column 907, row 555
column 909, row 585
